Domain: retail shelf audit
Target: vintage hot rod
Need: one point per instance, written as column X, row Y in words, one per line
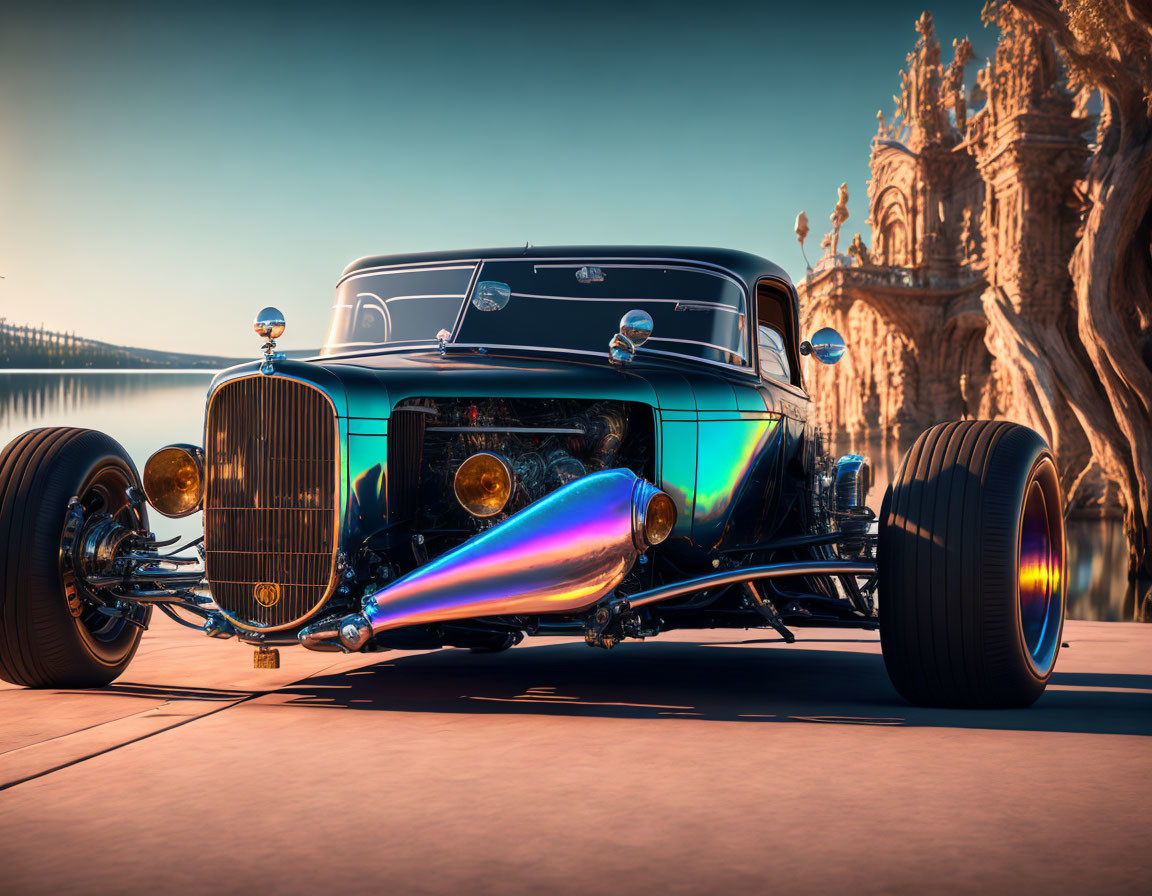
column 600, row 442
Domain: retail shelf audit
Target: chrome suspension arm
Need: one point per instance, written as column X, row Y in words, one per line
column 752, row 573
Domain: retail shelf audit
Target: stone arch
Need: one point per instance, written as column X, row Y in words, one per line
column 893, row 237
column 965, row 368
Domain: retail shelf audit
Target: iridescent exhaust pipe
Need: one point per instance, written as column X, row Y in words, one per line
column 560, row 554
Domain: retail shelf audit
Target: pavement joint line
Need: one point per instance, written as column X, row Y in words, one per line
column 79, row 759
column 49, row 740
column 40, row 774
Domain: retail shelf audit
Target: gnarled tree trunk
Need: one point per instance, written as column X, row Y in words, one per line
column 1112, row 273
column 1108, row 46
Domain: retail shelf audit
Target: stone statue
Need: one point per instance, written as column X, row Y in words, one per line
column 969, row 246
column 839, row 215
column 801, row 234
column 859, row 251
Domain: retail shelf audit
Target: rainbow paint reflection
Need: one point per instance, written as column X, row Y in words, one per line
column 1039, row 582
column 559, row 555
column 729, row 449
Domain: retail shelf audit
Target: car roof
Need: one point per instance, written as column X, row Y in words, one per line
column 747, row 267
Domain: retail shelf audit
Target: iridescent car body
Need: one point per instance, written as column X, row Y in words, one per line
column 606, row 443
column 433, row 359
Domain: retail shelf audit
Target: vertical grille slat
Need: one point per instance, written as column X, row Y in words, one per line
column 405, row 445
column 272, row 501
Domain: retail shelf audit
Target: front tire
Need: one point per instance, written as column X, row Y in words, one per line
column 44, row 643
column 971, row 567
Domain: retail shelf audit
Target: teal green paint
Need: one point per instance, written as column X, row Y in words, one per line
column 678, row 470
column 749, row 399
column 367, row 426
column 367, row 459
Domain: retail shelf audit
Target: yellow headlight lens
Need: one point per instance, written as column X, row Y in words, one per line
column 174, row 480
column 659, row 518
column 483, row 484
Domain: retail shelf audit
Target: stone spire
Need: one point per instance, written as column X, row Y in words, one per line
column 920, row 103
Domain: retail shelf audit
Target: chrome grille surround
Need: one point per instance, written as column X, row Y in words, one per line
column 271, row 500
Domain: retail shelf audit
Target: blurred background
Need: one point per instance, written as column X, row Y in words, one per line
column 168, row 169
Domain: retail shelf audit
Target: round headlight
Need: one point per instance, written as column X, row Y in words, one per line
column 174, row 480
column 483, row 484
column 659, row 518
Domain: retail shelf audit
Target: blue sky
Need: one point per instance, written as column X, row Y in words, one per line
column 166, row 169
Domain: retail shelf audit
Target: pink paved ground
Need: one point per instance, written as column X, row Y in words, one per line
column 716, row 764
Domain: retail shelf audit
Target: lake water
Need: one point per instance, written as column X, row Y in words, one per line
column 145, row 410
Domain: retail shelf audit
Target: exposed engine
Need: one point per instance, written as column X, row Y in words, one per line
column 544, row 444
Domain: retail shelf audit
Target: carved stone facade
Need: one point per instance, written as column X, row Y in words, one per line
column 973, row 219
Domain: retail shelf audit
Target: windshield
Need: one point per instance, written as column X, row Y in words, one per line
column 577, row 306
column 568, row 306
column 401, row 305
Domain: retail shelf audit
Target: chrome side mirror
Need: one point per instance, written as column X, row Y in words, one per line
column 635, row 328
column 826, row 346
column 491, row 295
column 269, row 325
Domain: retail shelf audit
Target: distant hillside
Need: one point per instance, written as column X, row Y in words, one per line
column 28, row 347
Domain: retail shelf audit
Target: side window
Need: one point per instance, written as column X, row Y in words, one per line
column 371, row 320
column 773, row 356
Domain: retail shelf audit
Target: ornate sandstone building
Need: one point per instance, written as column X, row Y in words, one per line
column 974, row 218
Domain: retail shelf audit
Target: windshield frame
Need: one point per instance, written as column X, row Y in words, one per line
column 749, row 357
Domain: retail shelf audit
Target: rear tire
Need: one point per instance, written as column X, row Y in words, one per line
column 971, row 567
column 42, row 645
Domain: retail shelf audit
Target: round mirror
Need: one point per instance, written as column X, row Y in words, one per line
column 269, row 323
column 826, row 346
column 636, row 325
column 491, row 295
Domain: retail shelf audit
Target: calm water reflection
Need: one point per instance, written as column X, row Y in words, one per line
column 146, row 410
column 142, row 411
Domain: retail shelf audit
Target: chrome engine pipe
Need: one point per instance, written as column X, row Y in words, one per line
column 560, row 554
column 852, row 479
column 752, row 573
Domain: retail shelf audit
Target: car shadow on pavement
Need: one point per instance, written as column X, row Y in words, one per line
column 164, row 692
column 740, row 681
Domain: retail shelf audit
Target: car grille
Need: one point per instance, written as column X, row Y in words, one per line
column 405, row 444
column 271, row 502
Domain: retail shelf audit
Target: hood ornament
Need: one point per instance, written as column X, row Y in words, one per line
column 443, row 337
column 269, row 325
